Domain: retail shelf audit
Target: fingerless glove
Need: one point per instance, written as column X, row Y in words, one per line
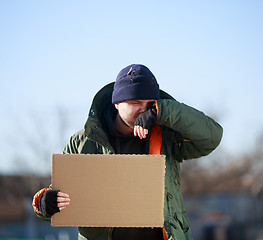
column 48, row 203
column 147, row 119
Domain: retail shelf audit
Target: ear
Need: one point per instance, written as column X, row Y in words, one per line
column 116, row 105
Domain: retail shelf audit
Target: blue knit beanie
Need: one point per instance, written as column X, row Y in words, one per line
column 135, row 82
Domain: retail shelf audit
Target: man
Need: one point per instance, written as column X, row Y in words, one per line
column 133, row 116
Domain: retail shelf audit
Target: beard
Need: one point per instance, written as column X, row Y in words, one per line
column 128, row 123
column 130, row 120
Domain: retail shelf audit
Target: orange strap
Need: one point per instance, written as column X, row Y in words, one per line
column 156, row 138
column 164, row 234
column 36, row 199
column 155, row 147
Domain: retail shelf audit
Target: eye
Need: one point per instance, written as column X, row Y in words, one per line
column 150, row 104
column 135, row 103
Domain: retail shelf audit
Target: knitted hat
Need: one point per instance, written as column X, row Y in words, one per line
column 135, row 82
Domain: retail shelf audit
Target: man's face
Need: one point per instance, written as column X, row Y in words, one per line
column 130, row 110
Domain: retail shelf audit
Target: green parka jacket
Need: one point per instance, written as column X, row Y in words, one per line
column 186, row 134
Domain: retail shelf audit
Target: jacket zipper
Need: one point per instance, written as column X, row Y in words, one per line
column 110, row 233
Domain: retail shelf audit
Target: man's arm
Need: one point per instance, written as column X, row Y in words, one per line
column 201, row 134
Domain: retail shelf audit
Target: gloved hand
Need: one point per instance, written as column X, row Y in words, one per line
column 48, row 203
column 145, row 122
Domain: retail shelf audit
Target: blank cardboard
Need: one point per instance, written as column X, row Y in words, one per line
column 110, row 190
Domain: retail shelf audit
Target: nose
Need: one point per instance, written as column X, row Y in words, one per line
column 143, row 108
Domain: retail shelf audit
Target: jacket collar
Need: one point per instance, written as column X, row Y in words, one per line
column 94, row 124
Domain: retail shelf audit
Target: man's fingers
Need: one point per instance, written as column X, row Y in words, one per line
column 135, row 131
column 63, row 205
column 63, row 197
column 63, row 200
column 61, row 208
column 145, row 132
column 61, row 194
column 140, row 132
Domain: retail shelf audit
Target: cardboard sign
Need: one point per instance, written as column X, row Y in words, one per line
column 110, row 190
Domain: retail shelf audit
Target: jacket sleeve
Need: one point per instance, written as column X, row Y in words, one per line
column 35, row 203
column 71, row 146
column 200, row 133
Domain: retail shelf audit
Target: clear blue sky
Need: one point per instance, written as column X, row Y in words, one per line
column 207, row 54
